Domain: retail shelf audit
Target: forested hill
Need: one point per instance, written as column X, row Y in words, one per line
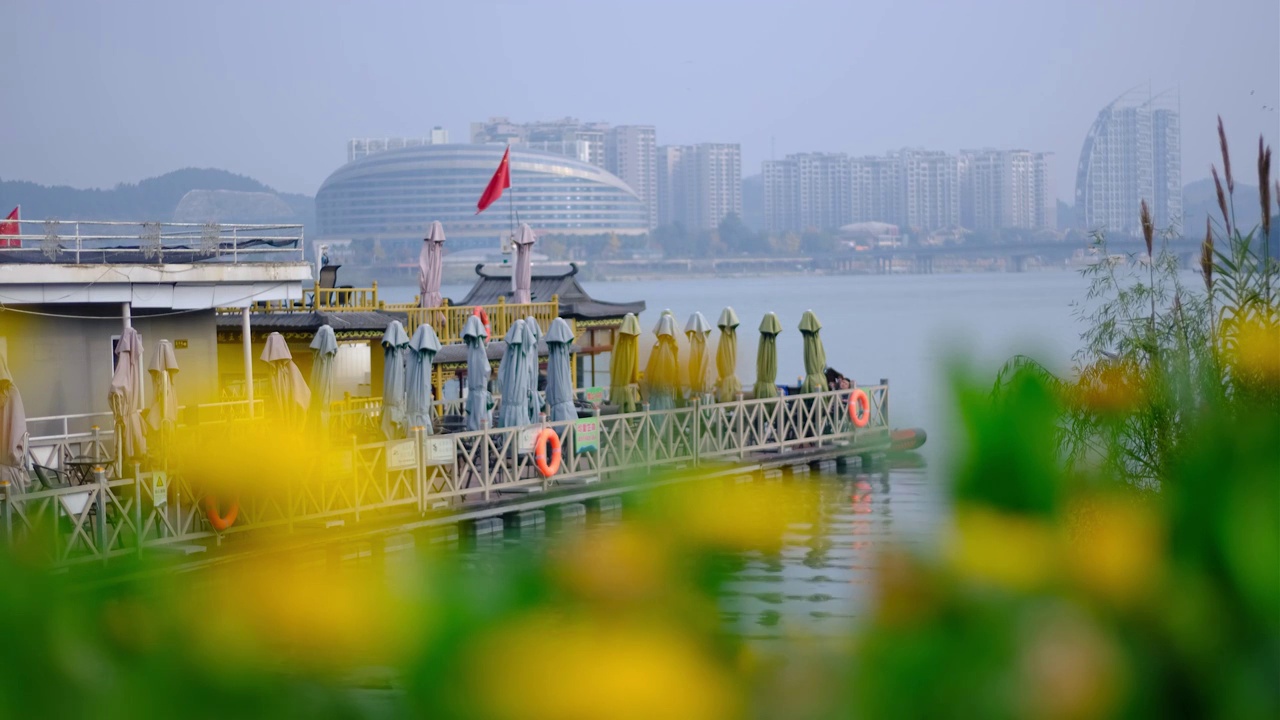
column 151, row 199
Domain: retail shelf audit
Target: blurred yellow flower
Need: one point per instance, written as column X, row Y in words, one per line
column 318, row 619
column 1012, row 551
column 1110, row 387
column 1069, row 667
column 1118, row 551
column 582, row 668
column 906, row 592
column 736, row 516
column 1257, row 350
column 621, row 564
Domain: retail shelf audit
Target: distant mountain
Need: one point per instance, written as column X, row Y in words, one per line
column 160, row 198
column 1200, row 200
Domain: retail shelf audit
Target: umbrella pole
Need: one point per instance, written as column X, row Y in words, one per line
column 247, row 341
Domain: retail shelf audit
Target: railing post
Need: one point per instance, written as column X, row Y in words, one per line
column 697, row 429
column 420, row 469
column 6, row 512
column 355, row 473
column 137, row 504
column 740, row 431
column 485, row 478
column 884, row 405
column 100, row 479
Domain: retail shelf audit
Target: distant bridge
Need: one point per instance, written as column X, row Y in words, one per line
column 1017, row 256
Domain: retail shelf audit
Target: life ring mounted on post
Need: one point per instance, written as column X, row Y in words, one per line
column 548, row 463
column 859, row 408
column 484, row 320
column 219, row 521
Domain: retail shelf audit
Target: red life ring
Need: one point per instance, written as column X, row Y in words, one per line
column 859, row 408
column 216, row 519
column 547, row 465
column 484, row 320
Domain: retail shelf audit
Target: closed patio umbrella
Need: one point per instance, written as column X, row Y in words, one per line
column 662, row 372
column 624, row 366
column 815, row 356
column 162, row 416
column 728, row 386
column 430, row 260
column 290, row 395
column 513, row 377
column 423, row 347
column 522, row 275
column 13, row 430
column 535, row 400
column 697, row 330
column 559, row 379
column 395, row 343
column 767, row 357
column 324, row 347
column 125, row 396
column 477, row 405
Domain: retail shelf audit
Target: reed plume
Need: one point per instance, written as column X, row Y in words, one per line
column 1222, row 199
column 1226, row 157
column 1148, row 227
column 1206, row 256
column 1264, row 188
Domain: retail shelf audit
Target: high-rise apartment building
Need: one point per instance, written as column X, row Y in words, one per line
column 670, row 184
column 874, row 184
column 1133, row 152
column 928, row 189
column 1006, row 189
column 631, row 153
column 808, row 191
column 699, row 185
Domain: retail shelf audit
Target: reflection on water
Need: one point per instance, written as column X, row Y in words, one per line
column 820, row 579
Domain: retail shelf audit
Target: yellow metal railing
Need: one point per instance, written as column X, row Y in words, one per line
column 448, row 320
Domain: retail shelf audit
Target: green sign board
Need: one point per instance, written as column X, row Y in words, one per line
column 586, row 434
column 594, row 395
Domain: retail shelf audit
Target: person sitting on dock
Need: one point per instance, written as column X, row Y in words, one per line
column 836, row 380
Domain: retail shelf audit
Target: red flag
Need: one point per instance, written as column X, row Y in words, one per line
column 10, row 226
column 500, row 181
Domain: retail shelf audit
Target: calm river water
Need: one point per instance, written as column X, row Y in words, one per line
column 899, row 327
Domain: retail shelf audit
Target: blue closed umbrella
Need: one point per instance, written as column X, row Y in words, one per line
column 477, row 405
column 395, row 341
column 559, row 379
column 535, row 400
column 513, row 377
column 423, row 347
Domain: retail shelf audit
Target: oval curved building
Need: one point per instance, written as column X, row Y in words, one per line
column 394, row 195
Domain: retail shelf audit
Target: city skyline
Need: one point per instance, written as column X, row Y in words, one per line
column 277, row 113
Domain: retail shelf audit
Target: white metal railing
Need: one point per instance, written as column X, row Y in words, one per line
column 397, row 480
column 99, row 241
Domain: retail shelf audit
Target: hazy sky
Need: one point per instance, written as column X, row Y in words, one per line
column 101, row 92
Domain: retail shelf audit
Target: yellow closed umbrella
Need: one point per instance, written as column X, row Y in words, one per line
column 767, row 357
column 624, row 366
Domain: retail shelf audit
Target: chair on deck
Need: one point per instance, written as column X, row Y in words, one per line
column 327, row 281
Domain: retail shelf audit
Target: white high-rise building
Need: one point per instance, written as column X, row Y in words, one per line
column 928, row 189
column 1133, row 152
column 1006, row 189
column 567, row 136
column 699, row 185
column 808, row 191
column 874, row 196
column 631, row 153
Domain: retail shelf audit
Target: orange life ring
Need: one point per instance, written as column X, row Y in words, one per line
column 551, row 466
column 484, row 320
column 859, row 408
column 216, row 519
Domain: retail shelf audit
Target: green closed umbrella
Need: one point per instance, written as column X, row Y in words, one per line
column 728, row 386
column 697, row 330
column 662, row 373
column 815, row 356
column 624, row 366
column 767, row 357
